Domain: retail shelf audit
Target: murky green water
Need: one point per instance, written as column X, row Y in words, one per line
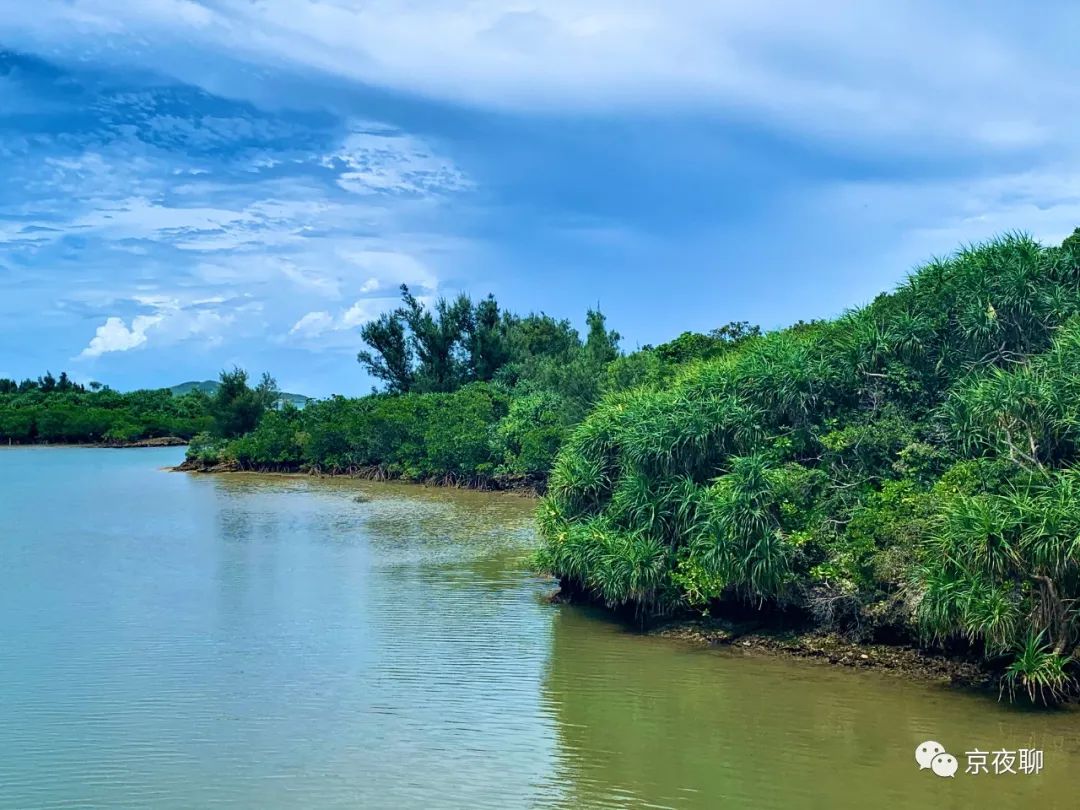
column 182, row 641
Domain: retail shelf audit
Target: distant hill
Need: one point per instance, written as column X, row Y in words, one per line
column 206, row 386
column 209, row 387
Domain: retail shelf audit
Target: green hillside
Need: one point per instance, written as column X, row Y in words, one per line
column 210, row 387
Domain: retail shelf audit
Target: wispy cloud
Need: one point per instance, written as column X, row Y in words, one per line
column 340, row 328
column 210, row 200
column 938, row 217
column 838, row 69
column 297, row 160
column 319, row 323
column 374, row 160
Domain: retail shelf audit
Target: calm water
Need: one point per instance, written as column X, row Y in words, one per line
column 181, row 641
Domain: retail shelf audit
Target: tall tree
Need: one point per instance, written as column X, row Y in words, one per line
column 488, row 344
column 415, row 348
column 601, row 346
column 438, row 340
column 236, row 407
column 391, row 355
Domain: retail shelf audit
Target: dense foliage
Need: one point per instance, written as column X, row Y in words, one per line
column 473, row 395
column 50, row 410
column 57, row 410
column 236, row 407
column 907, row 469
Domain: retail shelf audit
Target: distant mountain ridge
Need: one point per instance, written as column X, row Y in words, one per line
column 210, row 387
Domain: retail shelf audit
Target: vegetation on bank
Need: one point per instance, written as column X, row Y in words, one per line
column 907, row 470
column 56, row 410
column 52, row 410
column 472, row 395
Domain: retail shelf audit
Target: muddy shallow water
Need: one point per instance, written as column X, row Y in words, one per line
column 174, row 640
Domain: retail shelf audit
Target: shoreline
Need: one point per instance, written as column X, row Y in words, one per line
column 906, row 660
column 795, row 639
column 160, row 441
column 525, row 486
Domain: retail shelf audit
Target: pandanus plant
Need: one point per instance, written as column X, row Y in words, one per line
column 738, row 536
column 1029, row 414
column 685, row 490
column 1000, row 567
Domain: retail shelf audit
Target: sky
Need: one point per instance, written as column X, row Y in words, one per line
column 192, row 185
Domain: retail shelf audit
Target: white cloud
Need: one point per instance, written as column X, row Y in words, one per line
column 320, row 280
column 836, row 68
column 937, row 217
column 320, row 323
column 389, row 268
column 114, row 185
column 366, row 309
column 313, row 324
column 171, row 322
column 115, row 336
column 378, row 160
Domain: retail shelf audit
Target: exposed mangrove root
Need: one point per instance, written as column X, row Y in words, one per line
column 525, row 485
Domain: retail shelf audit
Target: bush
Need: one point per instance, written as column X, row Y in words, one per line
column 69, row 413
column 916, row 452
column 526, row 440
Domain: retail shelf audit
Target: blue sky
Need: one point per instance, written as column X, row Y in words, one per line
column 195, row 185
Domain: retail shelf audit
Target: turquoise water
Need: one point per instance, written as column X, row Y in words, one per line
column 172, row 640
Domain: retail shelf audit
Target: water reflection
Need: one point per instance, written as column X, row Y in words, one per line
column 650, row 722
column 246, row 641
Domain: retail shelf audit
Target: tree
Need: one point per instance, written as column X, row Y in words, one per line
column 236, row 407
column 437, row 350
column 601, row 346
column 417, row 349
column 696, row 346
column 488, row 343
column 540, row 335
column 437, row 339
column 67, row 411
column 391, row 358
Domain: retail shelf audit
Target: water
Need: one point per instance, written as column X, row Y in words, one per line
column 187, row 641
